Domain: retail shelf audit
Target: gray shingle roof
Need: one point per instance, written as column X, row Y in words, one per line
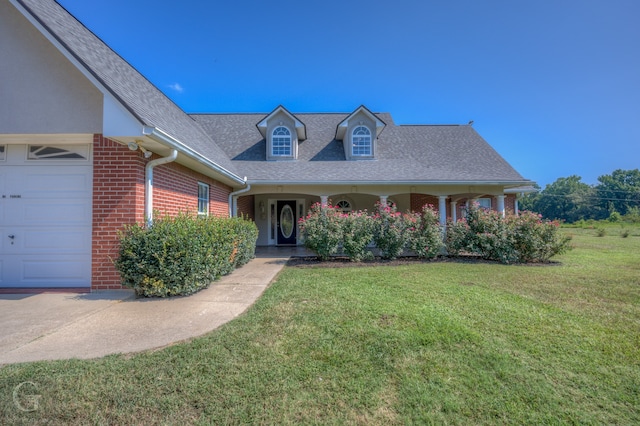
column 145, row 101
column 404, row 153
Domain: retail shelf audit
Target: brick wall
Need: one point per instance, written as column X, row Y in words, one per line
column 175, row 189
column 419, row 200
column 118, row 200
column 246, row 207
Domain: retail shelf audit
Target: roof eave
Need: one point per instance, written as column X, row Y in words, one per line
column 166, row 139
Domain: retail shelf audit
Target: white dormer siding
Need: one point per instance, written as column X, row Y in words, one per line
column 359, row 134
column 282, row 132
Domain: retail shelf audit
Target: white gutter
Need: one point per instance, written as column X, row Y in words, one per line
column 389, row 183
column 165, row 138
column 233, row 199
column 148, row 184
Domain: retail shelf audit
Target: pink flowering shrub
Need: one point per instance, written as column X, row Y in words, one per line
column 321, row 230
column 512, row 239
column 357, row 234
column 389, row 231
column 424, row 234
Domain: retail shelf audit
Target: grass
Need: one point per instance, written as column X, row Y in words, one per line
column 424, row 343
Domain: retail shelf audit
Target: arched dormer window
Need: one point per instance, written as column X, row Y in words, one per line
column 281, row 142
column 361, row 141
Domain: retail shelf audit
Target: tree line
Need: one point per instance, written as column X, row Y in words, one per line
column 569, row 199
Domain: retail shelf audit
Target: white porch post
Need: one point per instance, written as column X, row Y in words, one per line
column 454, row 214
column 501, row 205
column 442, row 208
column 383, row 200
column 324, row 200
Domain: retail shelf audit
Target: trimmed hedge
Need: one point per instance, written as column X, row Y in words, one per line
column 183, row 254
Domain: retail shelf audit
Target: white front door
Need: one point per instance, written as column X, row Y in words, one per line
column 45, row 217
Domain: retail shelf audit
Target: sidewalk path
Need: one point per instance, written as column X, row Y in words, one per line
column 51, row 326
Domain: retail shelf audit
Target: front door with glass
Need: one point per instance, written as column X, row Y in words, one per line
column 286, row 222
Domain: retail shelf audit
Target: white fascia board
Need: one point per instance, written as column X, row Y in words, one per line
column 166, row 139
column 384, row 183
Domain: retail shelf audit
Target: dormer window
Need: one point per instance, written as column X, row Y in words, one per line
column 281, row 142
column 361, row 141
column 359, row 133
column 282, row 132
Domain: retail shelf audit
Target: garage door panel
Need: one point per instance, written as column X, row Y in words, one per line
column 39, row 240
column 32, row 184
column 55, row 271
column 38, row 212
column 45, row 218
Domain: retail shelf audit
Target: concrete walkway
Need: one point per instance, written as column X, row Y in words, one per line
column 49, row 326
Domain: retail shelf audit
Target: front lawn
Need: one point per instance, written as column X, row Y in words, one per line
column 423, row 343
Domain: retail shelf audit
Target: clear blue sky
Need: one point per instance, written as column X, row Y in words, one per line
column 552, row 85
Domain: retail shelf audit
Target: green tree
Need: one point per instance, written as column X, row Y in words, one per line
column 567, row 199
column 619, row 191
column 528, row 201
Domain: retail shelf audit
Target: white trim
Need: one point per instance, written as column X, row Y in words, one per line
column 163, row 137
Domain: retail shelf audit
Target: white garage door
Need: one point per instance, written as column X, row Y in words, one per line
column 45, row 216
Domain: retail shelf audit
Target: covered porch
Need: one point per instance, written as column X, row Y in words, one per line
column 277, row 209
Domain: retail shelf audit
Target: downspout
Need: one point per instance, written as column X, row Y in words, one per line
column 233, row 199
column 148, row 185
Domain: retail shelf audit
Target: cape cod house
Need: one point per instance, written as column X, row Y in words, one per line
column 88, row 145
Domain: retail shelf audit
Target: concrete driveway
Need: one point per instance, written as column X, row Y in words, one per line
column 49, row 326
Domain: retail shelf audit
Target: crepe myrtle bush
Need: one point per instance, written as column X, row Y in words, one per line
column 183, row 254
column 424, row 232
column 389, row 231
column 321, row 230
column 357, row 234
column 510, row 239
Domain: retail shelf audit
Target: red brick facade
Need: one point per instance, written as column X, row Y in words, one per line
column 118, row 200
column 246, row 207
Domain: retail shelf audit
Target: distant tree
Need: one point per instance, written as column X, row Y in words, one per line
column 619, row 191
column 567, row 199
column 528, row 201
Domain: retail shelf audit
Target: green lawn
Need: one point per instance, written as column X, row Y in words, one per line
column 424, row 343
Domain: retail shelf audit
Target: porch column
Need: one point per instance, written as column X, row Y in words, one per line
column 383, row 200
column 442, row 208
column 501, row 205
column 324, row 200
column 516, row 207
column 454, row 213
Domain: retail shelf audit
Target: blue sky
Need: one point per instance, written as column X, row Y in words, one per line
column 552, row 85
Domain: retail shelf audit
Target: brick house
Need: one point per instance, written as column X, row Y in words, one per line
column 88, row 145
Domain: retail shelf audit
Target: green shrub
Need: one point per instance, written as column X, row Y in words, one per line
column 389, row 231
column 632, row 215
column 456, row 237
column 424, row 232
column 601, row 232
column 357, row 234
column 614, row 217
column 321, row 230
column 183, row 254
column 512, row 239
column 625, row 233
